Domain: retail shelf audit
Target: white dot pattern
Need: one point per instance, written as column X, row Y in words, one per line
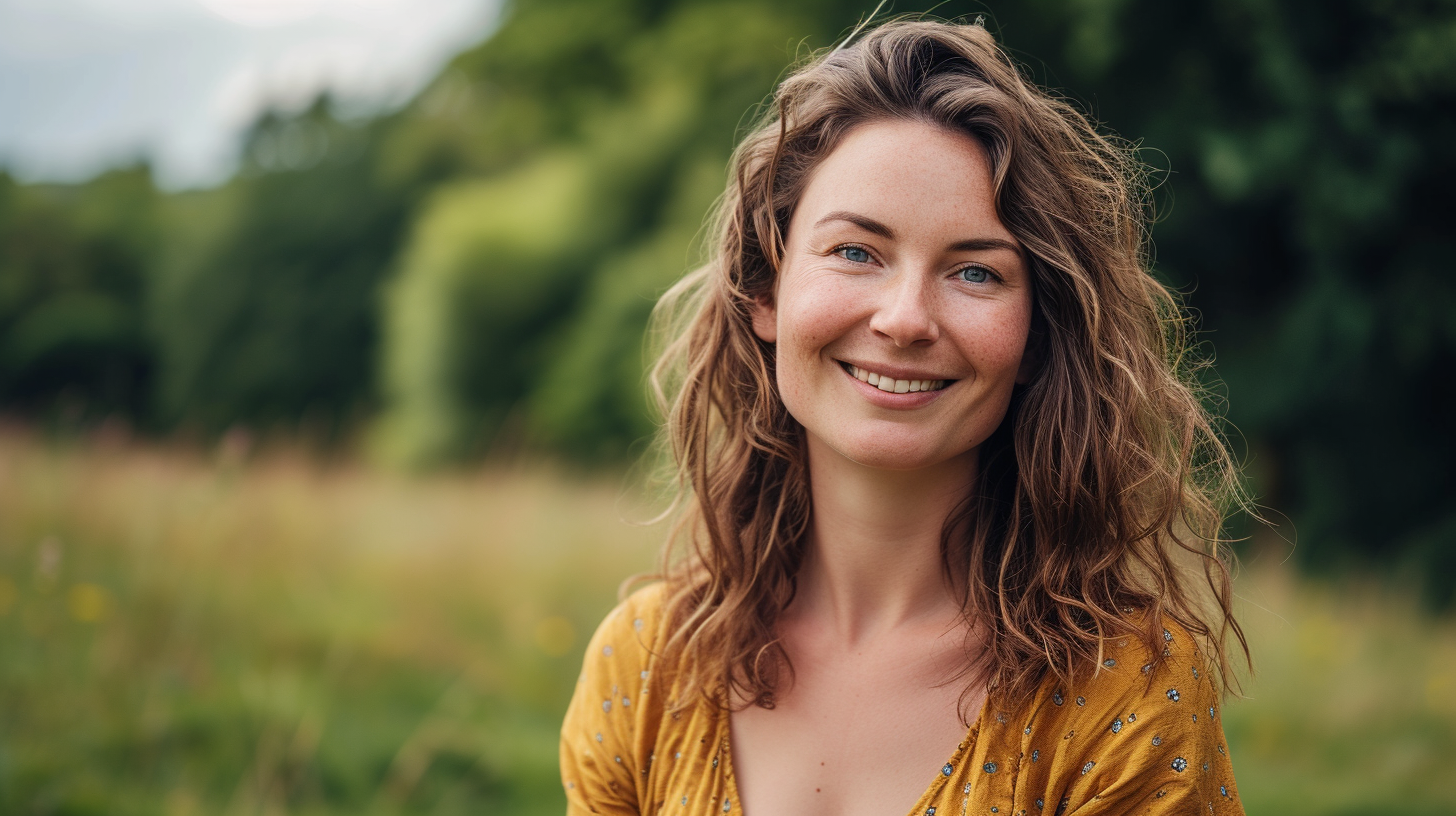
column 1121, row 746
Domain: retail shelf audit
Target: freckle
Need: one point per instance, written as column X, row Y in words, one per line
column 816, row 790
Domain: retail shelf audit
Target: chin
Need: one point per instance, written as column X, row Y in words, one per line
column 894, row 454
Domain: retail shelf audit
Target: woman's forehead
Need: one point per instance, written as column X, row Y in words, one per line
column 916, row 180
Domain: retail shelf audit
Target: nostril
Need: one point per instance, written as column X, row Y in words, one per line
column 905, row 328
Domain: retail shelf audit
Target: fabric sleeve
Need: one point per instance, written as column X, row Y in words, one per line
column 602, row 734
column 1161, row 750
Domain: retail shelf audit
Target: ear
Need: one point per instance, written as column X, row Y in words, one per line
column 765, row 319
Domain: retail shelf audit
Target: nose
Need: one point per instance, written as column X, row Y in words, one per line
column 904, row 314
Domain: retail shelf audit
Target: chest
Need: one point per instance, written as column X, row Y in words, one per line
column 857, row 733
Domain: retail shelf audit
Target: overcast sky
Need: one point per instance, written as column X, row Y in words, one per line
column 85, row 84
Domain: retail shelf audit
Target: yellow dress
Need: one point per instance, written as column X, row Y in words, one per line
column 1128, row 740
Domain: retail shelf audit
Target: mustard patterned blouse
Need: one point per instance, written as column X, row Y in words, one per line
column 1128, row 740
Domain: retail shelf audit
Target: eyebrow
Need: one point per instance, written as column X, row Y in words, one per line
column 883, row 230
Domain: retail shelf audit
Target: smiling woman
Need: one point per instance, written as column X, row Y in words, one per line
column 938, row 461
column 881, row 278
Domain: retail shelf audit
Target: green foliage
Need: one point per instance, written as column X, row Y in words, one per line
column 1310, row 150
column 482, row 280
column 521, row 299
column 265, row 309
column 73, row 264
column 473, row 272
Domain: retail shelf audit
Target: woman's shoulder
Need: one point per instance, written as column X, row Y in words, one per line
column 1129, row 664
column 628, row 637
column 1143, row 726
column 1134, row 682
column 605, row 755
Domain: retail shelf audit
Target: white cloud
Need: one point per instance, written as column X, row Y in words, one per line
column 85, row 84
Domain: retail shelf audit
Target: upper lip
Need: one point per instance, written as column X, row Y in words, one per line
column 897, row 372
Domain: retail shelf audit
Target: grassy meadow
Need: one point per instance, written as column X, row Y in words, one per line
column 266, row 632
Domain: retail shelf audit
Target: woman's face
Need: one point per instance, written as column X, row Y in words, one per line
column 902, row 309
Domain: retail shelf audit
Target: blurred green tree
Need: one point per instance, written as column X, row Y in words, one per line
column 265, row 307
column 1306, row 215
column 475, row 270
column 521, row 301
column 73, row 266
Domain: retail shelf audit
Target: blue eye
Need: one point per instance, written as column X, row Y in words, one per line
column 854, row 254
column 974, row 274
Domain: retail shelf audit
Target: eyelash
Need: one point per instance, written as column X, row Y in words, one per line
column 991, row 276
column 839, row 250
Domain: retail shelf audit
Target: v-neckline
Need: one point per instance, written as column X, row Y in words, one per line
column 965, row 748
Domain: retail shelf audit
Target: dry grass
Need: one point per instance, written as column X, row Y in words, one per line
column 198, row 635
column 1353, row 708
column 190, row 634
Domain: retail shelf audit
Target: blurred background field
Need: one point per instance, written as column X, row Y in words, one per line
column 311, row 465
column 269, row 634
column 266, row 633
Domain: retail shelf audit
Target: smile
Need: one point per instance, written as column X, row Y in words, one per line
column 892, row 385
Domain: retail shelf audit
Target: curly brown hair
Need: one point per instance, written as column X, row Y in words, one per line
column 1105, row 468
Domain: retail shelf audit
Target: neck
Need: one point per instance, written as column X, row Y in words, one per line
column 874, row 561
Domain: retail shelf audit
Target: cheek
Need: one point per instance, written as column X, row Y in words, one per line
column 997, row 340
column 816, row 312
column 813, row 313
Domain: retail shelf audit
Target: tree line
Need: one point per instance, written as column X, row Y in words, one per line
column 476, row 269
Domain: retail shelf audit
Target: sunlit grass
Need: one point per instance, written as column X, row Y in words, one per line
column 189, row 634
column 1353, row 709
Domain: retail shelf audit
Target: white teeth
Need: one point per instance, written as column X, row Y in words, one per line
column 892, row 385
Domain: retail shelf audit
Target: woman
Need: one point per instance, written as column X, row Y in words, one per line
column 941, row 468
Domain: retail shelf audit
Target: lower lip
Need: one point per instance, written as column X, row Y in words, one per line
column 889, row 399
